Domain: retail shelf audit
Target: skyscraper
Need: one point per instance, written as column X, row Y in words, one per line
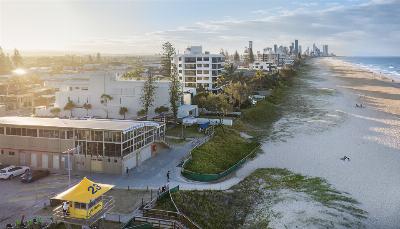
column 296, row 46
column 325, row 50
column 275, row 48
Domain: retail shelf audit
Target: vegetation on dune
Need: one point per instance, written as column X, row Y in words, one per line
column 224, row 150
column 231, row 208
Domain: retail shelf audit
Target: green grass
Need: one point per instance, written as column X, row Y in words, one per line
column 224, row 150
column 229, row 209
column 188, row 132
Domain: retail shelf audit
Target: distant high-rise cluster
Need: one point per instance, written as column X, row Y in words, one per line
column 317, row 52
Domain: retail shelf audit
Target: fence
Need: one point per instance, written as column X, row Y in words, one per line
column 204, row 177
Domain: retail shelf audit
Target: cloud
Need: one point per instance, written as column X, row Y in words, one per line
column 349, row 30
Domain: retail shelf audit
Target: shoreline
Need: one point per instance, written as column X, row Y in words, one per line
column 334, row 127
column 381, row 73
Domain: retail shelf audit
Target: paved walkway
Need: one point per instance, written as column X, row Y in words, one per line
column 153, row 172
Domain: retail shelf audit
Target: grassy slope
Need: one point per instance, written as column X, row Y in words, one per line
column 228, row 209
column 224, row 150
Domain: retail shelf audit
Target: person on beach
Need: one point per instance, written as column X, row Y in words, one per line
column 344, row 158
column 168, row 175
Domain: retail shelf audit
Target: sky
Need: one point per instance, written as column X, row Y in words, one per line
column 352, row 27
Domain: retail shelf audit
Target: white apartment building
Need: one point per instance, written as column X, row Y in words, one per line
column 88, row 89
column 196, row 68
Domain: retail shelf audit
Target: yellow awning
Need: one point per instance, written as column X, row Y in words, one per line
column 84, row 192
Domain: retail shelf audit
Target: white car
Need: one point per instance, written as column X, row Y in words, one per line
column 13, row 171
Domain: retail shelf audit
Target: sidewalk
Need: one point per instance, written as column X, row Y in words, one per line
column 151, row 173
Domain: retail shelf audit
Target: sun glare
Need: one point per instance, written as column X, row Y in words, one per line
column 19, row 71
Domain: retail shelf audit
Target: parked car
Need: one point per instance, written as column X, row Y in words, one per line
column 13, row 171
column 34, row 175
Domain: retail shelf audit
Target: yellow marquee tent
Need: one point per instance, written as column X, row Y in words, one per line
column 84, row 192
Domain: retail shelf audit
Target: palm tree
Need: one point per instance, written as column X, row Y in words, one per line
column 55, row 111
column 123, row 111
column 69, row 106
column 105, row 99
column 87, row 107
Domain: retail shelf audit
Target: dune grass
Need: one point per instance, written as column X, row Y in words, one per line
column 231, row 208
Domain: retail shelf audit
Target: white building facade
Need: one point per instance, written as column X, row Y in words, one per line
column 124, row 93
column 196, row 68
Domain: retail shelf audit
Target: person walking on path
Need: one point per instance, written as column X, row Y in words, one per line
column 168, row 175
column 65, row 208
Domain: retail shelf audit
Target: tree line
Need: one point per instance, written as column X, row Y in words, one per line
column 7, row 63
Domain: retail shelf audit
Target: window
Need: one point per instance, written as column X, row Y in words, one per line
column 112, row 150
column 180, row 65
column 11, row 153
column 214, row 73
column 190, row 84
column 206, row 78
column 190, row 66
column 199, row 65
column 48, row 133
column 190, row 72
column 82, row 134
column 31, row 132
column 190, row 79
column 2, row 152
column 180, row 71
column 199, row 72
column 199, row 59
column 206, row 72
column 190, row 59
column 80, row 205
column 1, row 130
column 206, row 59
column 70, row 134
column 97, row 135
column 216, row 59
column 180, row 58
column 206, row 65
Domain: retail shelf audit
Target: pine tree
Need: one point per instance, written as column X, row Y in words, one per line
column 5, row 65
column 174, row 92
column 148, row 92
column 98, row 57
column 166, row 60
column 251, row 55
column 17, row 59
column 236, row 57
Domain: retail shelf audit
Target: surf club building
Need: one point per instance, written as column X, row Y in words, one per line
column 92, row 145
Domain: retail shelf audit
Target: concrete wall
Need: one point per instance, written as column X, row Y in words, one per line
column 125, row 93
column 31, row 158
column 97, row 165
column 35, row 144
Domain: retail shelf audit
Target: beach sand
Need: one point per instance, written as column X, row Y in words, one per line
column 313, row 143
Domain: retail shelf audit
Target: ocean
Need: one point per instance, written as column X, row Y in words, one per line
column 386, row 65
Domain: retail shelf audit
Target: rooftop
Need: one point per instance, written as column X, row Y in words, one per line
column 100, row 124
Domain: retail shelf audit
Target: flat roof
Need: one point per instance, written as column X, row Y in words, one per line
column 100, row 124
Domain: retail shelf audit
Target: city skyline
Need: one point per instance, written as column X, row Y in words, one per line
column 139, row 27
